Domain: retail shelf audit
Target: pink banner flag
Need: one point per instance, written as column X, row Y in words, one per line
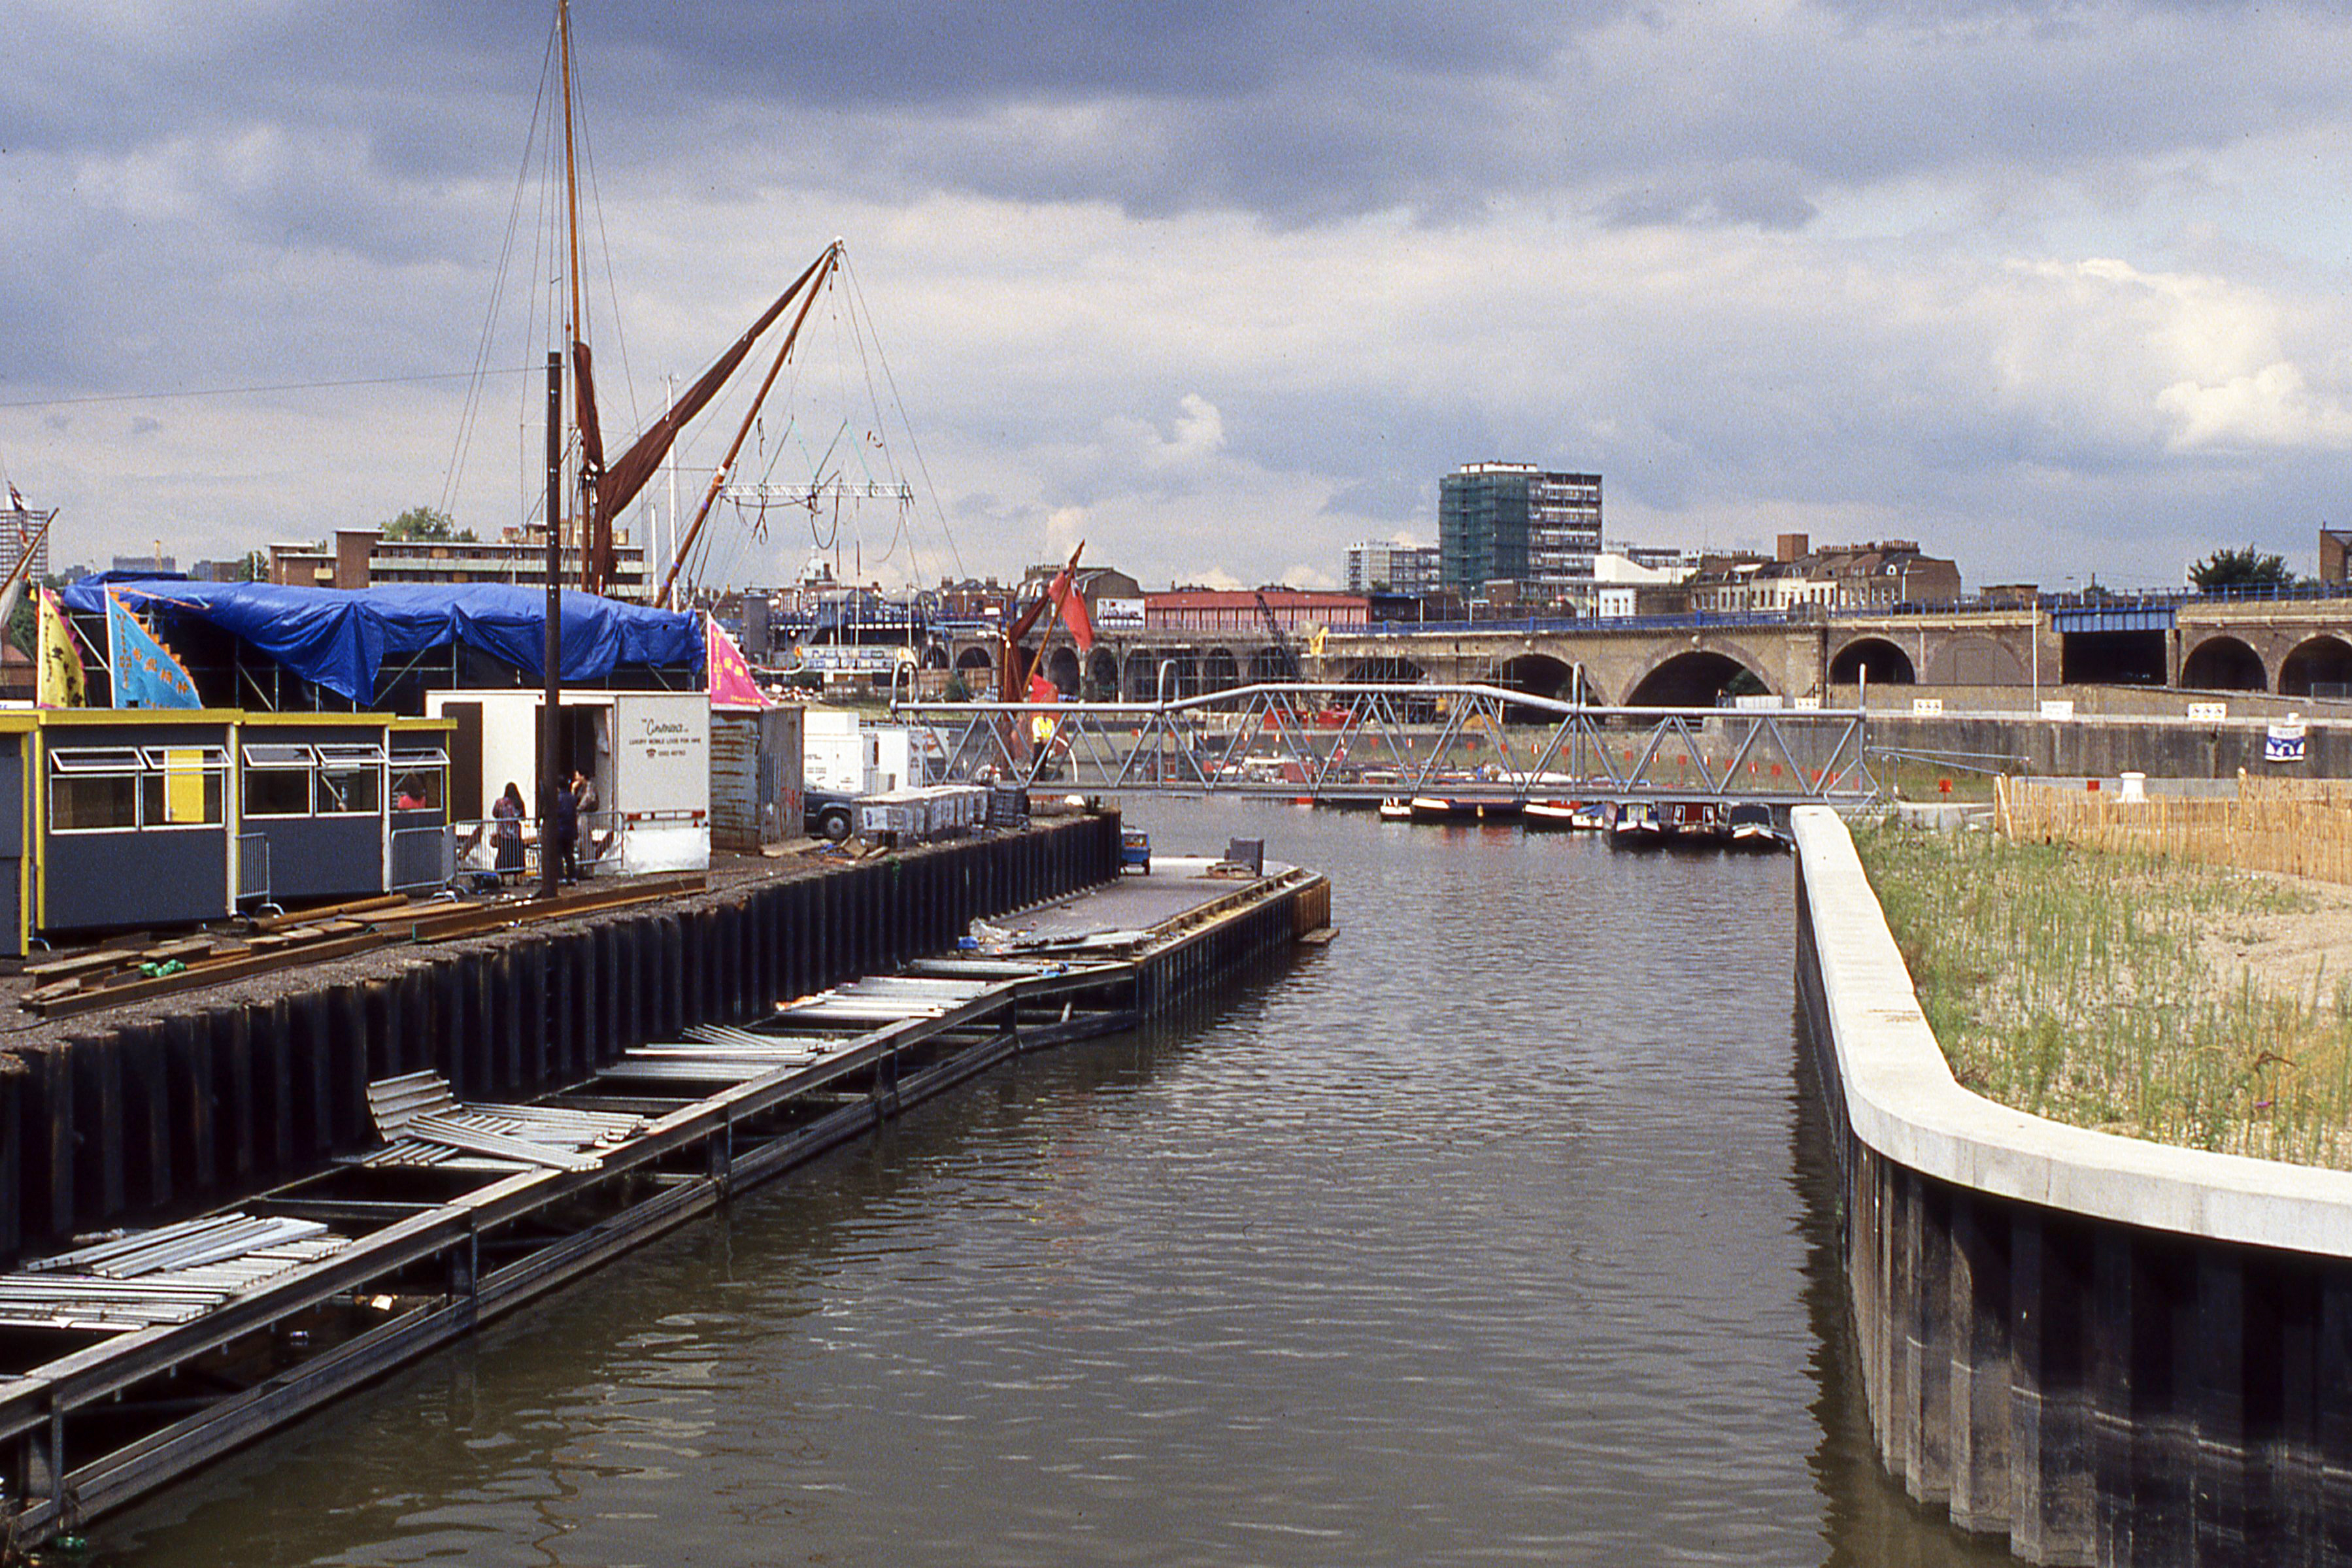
column 731, row 685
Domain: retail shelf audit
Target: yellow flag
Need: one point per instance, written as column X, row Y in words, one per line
column 60, row 665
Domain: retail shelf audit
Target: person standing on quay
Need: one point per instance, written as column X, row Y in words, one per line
column 565, row 824
column 507, row 834
column 583, row 797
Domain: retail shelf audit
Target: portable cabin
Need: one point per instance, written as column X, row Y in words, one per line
column 648, row 754
column 115, row 819
column 844, row 754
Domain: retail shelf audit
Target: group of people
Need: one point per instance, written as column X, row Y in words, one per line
column 572, row 800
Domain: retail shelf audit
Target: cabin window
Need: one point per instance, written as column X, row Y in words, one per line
column 80, row 802
column 97, row 760
column 349, row 792
column 276, row 781
column 350, row 780
column 109, row 789
column 277, row 792
column 419, row 779
column 181, row 787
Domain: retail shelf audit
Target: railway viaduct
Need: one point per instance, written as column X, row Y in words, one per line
column 2294, row 647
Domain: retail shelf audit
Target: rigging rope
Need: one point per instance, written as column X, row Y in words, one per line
column 857, row 289
column 470, row 415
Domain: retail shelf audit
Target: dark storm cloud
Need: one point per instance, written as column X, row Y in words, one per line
column 1298, row 112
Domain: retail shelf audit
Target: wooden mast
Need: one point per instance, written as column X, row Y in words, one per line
column 551, row 709
column 574, row 327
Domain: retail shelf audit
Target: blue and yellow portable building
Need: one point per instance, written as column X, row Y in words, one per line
column 117, row 818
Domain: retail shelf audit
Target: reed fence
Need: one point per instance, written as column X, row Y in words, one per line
column 2297, row 827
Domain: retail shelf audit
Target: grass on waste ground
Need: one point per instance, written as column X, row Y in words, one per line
column 2069, row 983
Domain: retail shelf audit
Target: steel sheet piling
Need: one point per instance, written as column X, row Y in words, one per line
column 189, row 1067
column 97, row 1128
column 146, row 1107
column 232, row 1093
column 346, row 1044
column 273, row 1085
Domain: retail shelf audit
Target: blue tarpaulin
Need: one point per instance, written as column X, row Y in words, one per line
column 340, row 638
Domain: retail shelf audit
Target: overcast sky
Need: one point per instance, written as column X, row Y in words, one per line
column 2053, row 288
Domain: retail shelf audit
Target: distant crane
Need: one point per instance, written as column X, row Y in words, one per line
column 1287, row 654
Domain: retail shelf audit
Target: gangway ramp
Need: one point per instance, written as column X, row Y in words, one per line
column 1361, row 743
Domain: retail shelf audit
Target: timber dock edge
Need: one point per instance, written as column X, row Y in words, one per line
column 2106, row 1350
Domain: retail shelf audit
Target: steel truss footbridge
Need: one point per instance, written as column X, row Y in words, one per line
column 1350, row 743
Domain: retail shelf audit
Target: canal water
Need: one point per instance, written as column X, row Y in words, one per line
column 1499, row 1231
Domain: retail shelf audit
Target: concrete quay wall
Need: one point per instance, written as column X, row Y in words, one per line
column 2103, row 745
column 165, row 1115
column 2111, row 1351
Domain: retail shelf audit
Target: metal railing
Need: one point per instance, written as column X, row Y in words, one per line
column 247, row 886
column 423, row 858
column 476, row 844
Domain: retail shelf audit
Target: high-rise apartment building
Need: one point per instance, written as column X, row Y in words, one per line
column 1392, row 568
column 1515, row 522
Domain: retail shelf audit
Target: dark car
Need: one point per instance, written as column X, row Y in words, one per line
column 829, row 814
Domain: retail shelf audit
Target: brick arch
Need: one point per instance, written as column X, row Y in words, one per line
column 2223, row 662
column 2324, row 660
column 1888, row 663
column 1975, row 660
column 1703, row 662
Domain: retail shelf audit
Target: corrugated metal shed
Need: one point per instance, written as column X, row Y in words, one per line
column 755, row 778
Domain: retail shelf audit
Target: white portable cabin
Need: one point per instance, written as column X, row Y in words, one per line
column 845, row 756
column 649, row 753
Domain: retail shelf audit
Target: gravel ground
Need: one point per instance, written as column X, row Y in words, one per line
column 2298, row 953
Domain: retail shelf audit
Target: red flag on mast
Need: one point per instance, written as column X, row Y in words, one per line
column 1072, row 607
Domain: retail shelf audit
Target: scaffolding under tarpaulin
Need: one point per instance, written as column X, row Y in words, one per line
column 354, row 642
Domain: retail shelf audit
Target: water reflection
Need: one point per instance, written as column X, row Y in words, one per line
column 1496, row 1232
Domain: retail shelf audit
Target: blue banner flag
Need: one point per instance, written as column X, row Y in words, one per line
column 145, row 672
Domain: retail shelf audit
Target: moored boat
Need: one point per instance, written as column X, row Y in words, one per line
column 1395, row 810
column 1637, row 824
column 1694, row 824
column 1561, row 814
column 1460, row 809
column 1752, row 828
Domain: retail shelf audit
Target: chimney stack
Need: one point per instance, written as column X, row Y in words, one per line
column 1795, row 547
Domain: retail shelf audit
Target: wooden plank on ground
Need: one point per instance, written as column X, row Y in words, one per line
column 60, row 968
column 328, row 911
column 207, row 975
column 336, row 939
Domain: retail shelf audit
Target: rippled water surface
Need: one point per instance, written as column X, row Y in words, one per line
column 1496, row 1232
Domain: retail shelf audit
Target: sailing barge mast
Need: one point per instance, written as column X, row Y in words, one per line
column 606, row 492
